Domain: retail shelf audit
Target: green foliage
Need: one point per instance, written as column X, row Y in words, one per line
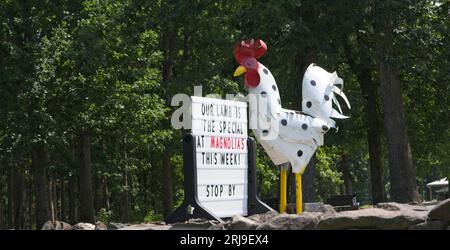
column 329, row 178
column 105, row 216
column 151, row 216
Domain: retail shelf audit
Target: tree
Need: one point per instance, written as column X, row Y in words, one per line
column 402, row 170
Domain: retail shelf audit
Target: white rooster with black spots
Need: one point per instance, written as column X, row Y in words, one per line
column 288, row 135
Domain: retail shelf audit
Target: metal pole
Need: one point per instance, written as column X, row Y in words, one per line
column 283, row 185
column 299, row 202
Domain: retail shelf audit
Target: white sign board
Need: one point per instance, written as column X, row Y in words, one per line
column 220, row 129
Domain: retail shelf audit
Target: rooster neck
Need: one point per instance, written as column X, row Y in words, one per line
column 266, row 93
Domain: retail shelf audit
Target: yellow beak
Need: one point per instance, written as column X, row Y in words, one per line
column 239, row 71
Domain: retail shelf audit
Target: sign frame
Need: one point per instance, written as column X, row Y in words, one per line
column 191, row 208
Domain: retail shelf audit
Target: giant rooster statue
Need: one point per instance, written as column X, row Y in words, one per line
column 288, row 135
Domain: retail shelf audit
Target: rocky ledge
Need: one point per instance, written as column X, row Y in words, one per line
column 387, row 216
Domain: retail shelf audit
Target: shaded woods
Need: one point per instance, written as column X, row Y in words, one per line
column 86, row 86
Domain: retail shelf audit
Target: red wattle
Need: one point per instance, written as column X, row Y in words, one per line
column 252, row 79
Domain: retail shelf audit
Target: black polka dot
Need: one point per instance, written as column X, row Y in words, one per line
column 299, row 153
column 284, row 122
column 264, row 93
column 265, row 132
column 326, row 97
column 274, row 87
column 325, row 127
column 308, row 104
column 313, row 83
column 304, row 126
column 266, row 71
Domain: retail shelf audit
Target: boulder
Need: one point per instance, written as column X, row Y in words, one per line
column 429, row 225
column 441, row 211
column 48, row 226
column 261, row 218
column 241, row 223
column 100, row 226
column 307, row 221
column 319, row 207
column 83, row 226
column 57, row 225
column 384, row 216
column 194, row 224
column 149, row 226
column 404, row 208
column 220, row 226
column 116, row 226
column 60, row 225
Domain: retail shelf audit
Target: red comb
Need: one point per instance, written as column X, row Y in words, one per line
column 249, row 48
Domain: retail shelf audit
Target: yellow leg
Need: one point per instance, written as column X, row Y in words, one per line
column 283, row 180
column 298, row 183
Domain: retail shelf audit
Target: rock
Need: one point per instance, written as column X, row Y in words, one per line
column 405, row 208
column 220, row 226
column 319, row 207
column 241, row 223
column 306, row 221
column 385, row 216
column 149, row 226
column 60, row 225
column 116, row 226
column 429, row 225
column 83, row 226
column 441, row 211
column 48, row 226
column 100, row 226
column 194, row 224
column 261, row 218
column 57, row 225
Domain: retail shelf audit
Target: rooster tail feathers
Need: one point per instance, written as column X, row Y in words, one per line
column 337, row 80
column 337, row 115
column 320, row 89
column 336, row 102
column 339, row 92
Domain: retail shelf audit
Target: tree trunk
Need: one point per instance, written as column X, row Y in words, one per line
column 125, row 198
column 97, row 195
column 168, row 45
column 30, row 204
column 39, row 161
column 62, row 199
column 2, row 215
column 369, row 90
column 167, row 184
column 402, row 170
column 346, row 175
column 11, row 197
column 19, row 202
column 107, row 194
column 51, row 199
column 72, row 201
column 86, row 193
